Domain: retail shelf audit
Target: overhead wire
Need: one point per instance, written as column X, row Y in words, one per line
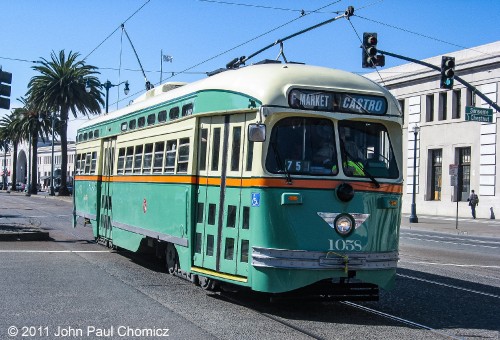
column 116, row 29
column 239, row 45
column 266, row 7
column 422, row 35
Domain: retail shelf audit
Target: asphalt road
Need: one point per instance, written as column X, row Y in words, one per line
column 448, row 286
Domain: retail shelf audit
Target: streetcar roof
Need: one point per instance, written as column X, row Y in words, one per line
column 267, row 83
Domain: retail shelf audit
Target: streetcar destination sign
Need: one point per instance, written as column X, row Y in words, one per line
column 337, row 102
column 478, row 114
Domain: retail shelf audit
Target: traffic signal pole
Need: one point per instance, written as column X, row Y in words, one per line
column 437, row 68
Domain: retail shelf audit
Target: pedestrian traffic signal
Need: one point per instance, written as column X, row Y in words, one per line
column 5, row 81
column 447, row 72
column 369, row 51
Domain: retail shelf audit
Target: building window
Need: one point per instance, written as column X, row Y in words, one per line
column 436, row 174
column 429, row 108
column 443, row 107
column 456, row 105
column 464, row 159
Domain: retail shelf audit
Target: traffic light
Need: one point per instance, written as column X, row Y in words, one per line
column 369, row 50
column 447, row 72
column 5, row 81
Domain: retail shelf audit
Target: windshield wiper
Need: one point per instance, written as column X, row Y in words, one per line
column 362, row 168
column 281, row 165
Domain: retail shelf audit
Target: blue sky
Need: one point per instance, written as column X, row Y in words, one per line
column 200, row 33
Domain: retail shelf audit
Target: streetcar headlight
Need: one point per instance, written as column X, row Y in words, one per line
column 344, row 224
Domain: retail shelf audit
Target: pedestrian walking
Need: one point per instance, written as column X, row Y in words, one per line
column 473, row 202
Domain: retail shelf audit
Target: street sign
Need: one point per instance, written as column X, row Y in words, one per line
column 453, row 169
column 478, row 114
column 454, row 181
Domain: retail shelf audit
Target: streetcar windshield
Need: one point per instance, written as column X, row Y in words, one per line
column 366, row 150
column 303, row 146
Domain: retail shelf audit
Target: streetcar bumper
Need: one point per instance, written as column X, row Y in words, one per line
column 275, row 267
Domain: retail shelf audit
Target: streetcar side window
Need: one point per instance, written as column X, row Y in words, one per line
column 162, row 116
column 170, row 154
column 173, row 113
column 78, row 162
column 229, row 249
column 121, row 161
column 158, row 157
column 187, row 110
column 148, row 157
column 96, row 133
column 132, row 124
column 211, row 213
column 124, row 126
column 138, row 159
column 203, row 149
column 236, row 148
column 87, row 163
column 210, row 245
column 82, row 163
column 91, row 134
column 246, row 218
column 231, row 216
column 141, row 122
column 197, row 248
column 215, row 149
column 249, row 156
column 93, row 162
column 183, row 160
column 151, row 119
column 244, row 251
column 85, row 136
column 129, row 158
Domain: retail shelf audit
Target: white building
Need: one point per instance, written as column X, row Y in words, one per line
column 44, row 163
column 445, row 137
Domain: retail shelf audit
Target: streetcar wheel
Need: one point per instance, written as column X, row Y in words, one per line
column 206, row 283
column 171, row 259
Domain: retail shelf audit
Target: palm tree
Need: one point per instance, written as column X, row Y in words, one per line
column 9, row 126
column 60, row 88
column 32, row 126
column 4, row 146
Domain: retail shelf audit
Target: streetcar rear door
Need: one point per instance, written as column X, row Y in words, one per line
column 105, row 211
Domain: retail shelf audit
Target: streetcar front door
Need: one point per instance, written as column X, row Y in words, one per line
column 105, row 211
column 221, row 232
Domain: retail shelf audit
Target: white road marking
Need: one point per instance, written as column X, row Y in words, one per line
column 449, row 286
column 460, row 244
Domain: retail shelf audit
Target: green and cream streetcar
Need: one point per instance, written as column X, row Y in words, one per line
column 275, row 177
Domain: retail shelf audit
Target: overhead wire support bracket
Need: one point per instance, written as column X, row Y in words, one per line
column 437, row 68
column 241, row 61
column 149, row 86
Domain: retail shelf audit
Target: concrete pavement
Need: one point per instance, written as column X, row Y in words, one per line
column 14, row 228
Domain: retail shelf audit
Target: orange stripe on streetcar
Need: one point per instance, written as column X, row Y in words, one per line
column 262, row 182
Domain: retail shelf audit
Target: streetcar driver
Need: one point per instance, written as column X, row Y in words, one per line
column 325, row 155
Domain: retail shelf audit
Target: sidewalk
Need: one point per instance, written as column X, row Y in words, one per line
column 481, row 227
column 14, row 229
